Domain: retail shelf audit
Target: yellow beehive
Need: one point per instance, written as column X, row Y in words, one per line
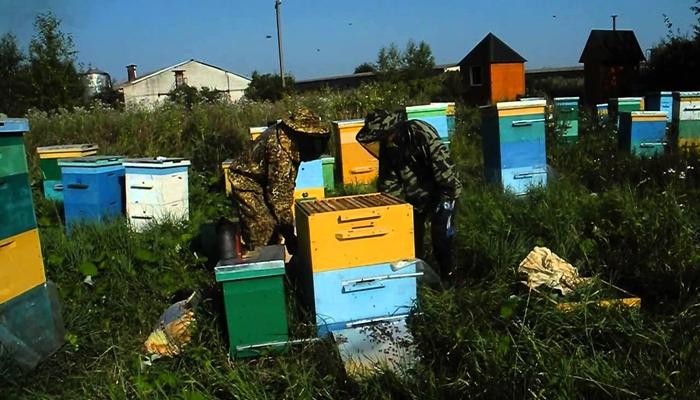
column 358, row 166
column 21, row 264
column 354, row 231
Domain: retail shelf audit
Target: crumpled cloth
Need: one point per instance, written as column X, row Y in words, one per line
column 173, row 330
column 544, row 268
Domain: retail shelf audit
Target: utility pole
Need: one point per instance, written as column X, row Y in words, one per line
column 614, row 18
column 278, row 4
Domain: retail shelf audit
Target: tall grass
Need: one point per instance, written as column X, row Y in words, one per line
column 631, row 222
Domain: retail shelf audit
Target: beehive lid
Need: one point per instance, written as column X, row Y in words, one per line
column 91, row 161
column 427, row 107
column 532, row 99
column 349, row 122
column 14, row 125
column 268, row 262
column 156, row 162
column 513, row 105
column 649, row 115
column 348, row 203
column 565, row 99
column 603, row 105
column 68, row 148
column 628, row 99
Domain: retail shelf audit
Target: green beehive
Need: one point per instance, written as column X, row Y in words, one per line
column 328, row 173
column 566, row 112
column 254, row 300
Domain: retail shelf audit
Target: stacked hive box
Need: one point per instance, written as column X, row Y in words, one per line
column 435, row 114
column 451, row 123
column 48, row 161
column 643, row 133
column 309, row 183
column 514, row 144
column 93, row 188
column 349, row 250
column 566, row 113
column 357, row 165
column 602, row 113
column 686, row 118
column 328, row 173
column 30, row 321
column 660, row 101
column 156, row 190
column 623, row 104
column 254, row 301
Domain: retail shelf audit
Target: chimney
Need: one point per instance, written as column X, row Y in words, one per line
column 614, row 18
column 131, row 71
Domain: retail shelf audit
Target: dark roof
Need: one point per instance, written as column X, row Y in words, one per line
column 492, row 50
column 612, row 47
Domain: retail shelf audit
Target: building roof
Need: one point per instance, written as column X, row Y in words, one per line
column 492, row 50
column 153, row 73
column 612, row 47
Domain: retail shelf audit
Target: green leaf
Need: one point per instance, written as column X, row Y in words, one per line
column 88, row 268
column 145, row 255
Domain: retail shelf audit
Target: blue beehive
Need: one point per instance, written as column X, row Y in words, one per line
column 310, row 175
column 660, row 101
column 643, row 133
column 93, row 188
column 435, row 114
column 514, row 144
column 361, row 294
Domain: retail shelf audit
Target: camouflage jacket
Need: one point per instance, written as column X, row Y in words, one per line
column 417, row 167
column 269, row 168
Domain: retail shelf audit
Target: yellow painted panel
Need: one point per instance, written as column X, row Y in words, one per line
column 641, row 118
column 67, row 154
column 225, row 166
column 346, row 238
column 21, row 265
column 520, row 111
column 309, row 193
column 357, row 165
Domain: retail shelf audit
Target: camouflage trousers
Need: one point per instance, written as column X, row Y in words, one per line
column 258, row 226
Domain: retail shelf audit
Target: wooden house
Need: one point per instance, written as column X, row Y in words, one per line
column 493, row 72
column 611, row 61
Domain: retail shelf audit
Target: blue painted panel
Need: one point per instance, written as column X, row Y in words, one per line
column 92, row 194
column 13, row 125
column 518, row 180
column 451, row 125
column 521, row 127
column 53, row 190
column 362, row 293
column 439, row 122
column 310, row 175
column 523, row 154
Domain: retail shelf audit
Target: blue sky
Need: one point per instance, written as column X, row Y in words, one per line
column 324, row 37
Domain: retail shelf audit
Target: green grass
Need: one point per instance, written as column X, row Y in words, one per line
column 630, row 222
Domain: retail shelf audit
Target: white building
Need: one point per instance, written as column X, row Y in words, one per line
column 153, row 88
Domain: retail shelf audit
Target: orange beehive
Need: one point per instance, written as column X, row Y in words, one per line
column 358, row 166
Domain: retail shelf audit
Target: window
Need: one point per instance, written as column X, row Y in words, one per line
column 180, row 78
column 475, row 75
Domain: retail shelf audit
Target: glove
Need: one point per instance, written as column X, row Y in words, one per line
column 290, row 239
column 443, row 215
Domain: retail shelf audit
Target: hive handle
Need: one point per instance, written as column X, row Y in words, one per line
column 361, row 170
column 361, row 285
column 141, row 217
column 526, row 122
column 362, row 233
column 77, row 186
column 649, row 145
column 358, row 217
column 527, row 175
column 146, row 187
column 694, row 108
column 58, row 187
column 7, row 244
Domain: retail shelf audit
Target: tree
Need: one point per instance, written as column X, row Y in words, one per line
column 268, row 87
column 389, row 59
column 365, row 67
column 54, row 77
column 696, row 10
column 13, row 77
column 418, row 59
